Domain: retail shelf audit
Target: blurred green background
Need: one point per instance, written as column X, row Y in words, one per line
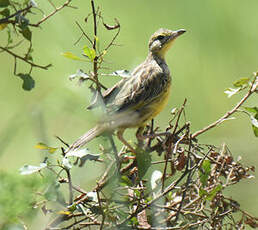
column 220, row 46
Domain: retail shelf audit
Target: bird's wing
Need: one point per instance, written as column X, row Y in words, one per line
column 139, row 90
column 107, row 95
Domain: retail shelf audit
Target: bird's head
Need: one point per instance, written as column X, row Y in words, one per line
column 161, row 41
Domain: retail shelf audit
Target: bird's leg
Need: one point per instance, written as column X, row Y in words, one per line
column 139, row 136
column 121, row 138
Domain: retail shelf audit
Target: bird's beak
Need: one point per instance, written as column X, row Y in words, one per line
column 177, row 33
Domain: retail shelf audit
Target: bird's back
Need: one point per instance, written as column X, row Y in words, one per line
column 142, row 96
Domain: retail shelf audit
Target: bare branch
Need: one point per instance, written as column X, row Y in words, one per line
column 16, row 56
column 252, row 89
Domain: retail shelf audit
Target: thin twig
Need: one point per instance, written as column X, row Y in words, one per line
column 70, row 186
column 6, row 20
column 66, row 4
column 83, row 33
column 24, row 59
column 251, row 90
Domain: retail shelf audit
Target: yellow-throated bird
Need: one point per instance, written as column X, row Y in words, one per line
column 134, row 100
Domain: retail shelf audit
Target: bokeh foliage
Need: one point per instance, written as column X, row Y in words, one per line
column 220, row 47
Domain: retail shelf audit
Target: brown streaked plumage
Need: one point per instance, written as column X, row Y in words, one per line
column 134, row 100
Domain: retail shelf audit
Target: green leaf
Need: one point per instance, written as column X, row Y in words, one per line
column 26, row 33
column 125, row 181
column 155, row 179
column 28, row 81
column 204, row 172
column 29, row 169
column 23, row 22
column 5, row 12
column 122, row 73
column 72, row 56
column 4, row 3
column 79, row 74
column 202, row 192
column 253, row 113
column 9, row 33
column 134, row 221
column 251, row 109
column 255, row 130
column 143, row 159
column 66, row 163
column 83, row 155
column 254, row 120
column 3, row 25
column 43, row 146
column 53, row 193
column 213, row 192
column 89, row 52
column 241, row 82
column 97, row 41
column 230, row 91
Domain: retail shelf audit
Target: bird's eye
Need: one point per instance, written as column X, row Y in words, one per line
column 160, row 37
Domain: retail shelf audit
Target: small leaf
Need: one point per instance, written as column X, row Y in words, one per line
column 251, row 109
column 241, row 82
column 29, row 169
column 9, row 40
column 78, row 153
column 254, row 121
column 125, row 181
column 66, row 162
column 155, row 178
column 53, row 193
column 204, row 172
column 112, row 27
column 213, row 192
column 3, row 25
column 97, row 41
column 43, row 146
column 174, row 111
column 122, row 73
column 72, row 56
column 28, row 81
column 89, row 52
column 230, row 91
column 23, row 22
column 79, row 74
column 83, row 155
column 26, row 33
column 227, row 119
column 33, row 3
column 202, row 192
column 253, row 113
column 134, row 221
column 4, row 3
column 67, row 213
column 5, row 12
column 181, row 161
column 93, row 196
column 143, row 159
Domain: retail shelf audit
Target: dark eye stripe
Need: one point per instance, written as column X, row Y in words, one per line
column 160, row 37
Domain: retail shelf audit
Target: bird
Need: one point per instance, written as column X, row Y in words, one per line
column 136, row 99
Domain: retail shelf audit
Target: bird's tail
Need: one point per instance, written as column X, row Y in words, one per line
column 87, row 137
